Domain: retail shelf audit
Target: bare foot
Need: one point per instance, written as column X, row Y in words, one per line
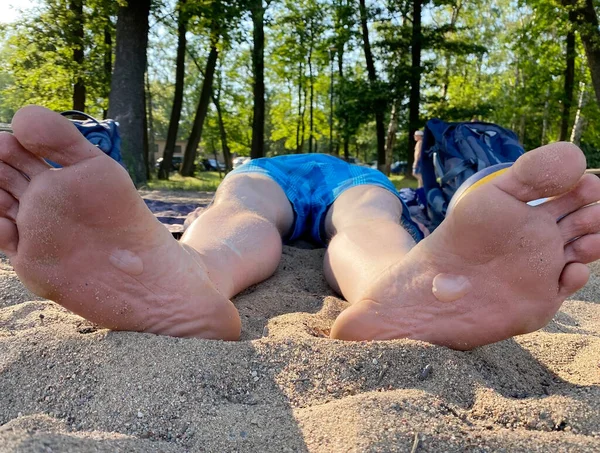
column 496, row 267
column 83, row 237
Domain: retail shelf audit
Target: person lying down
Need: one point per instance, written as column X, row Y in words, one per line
column 496, row 267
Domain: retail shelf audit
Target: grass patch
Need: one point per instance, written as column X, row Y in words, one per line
column 205, row 181
column 402, row 182
column 208, row 181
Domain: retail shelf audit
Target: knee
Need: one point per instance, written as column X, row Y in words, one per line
column 363, row 204
column 256, row 194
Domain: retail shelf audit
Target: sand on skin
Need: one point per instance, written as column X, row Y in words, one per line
column 68, row 386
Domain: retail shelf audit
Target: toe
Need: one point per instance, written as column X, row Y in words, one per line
column 9, row 237
column 581, row 222
column 548, row 171
column 12, row 181
column 587, row 191
column 584, row 250
column 574, row 277
column 50, row 135
column 18, row 157
column 9, row 206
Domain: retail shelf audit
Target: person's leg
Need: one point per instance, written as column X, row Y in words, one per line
column 239, row 236
column 366, row 238
column 419, row 177
column 496, row 267
column 83, row 237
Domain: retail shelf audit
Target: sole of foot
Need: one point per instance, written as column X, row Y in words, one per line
column 82, row 237
column 496, row 267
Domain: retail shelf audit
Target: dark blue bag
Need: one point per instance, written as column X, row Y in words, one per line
column 452, row 152
column 103, row 134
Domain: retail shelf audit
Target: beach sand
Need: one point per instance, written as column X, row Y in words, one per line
column 69, row 386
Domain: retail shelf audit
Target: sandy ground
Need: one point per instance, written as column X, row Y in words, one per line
column 68, row 386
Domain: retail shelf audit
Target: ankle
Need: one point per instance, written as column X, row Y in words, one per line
column 219, row 277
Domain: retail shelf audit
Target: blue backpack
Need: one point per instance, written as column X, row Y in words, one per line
column 452, row 152
column 104, row 134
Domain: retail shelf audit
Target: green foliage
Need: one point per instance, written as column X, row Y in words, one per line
column 299, row 63
column 501, row 61
column 518, row 81
column 38, row 57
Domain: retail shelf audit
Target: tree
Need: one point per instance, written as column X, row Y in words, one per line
column 257, row 11
column 569, row 83
column 55, row 55
column 216, row 97
column 379, row 103
column 76, row 43
column 415, row 79
column 583, row 15
column 108, row 56
column 126, row 102
column 149, row 152
column 278, row 89
column 187, row 167
column 219, row 18
column 343, row 25
column 301, row 82
column 579, row 120
column 167, row 162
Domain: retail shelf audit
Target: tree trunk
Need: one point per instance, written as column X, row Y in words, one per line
column 311, row 100
column 187, row 166
column 332, row 151
column 150, row 128
column 107, row 62
column 258, row 67
column 569, row 85
column 303, row 125
column 379, row 104
column 345, row 132
column 584, row 16
column 146, row 145
column 167, row 162
column 391, row 137
column 545, row 117
column 522, row 128
column 415, row 81
column 223, row 133
column 515, row 95
column 455, row 12
column 479, row 71
column 446, row 84
column 214, row 150
column 300, row 112
column 126, row 102
column 343, row 16
column 579, row 120
column 77, row 36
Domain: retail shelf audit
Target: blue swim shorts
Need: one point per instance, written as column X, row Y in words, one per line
column 312, row 182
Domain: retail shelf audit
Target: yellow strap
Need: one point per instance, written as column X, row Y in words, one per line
column 482, row 181
column 487, row 178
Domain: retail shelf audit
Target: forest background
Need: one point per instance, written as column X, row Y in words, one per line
column 353, row 78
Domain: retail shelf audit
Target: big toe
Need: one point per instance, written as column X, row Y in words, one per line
column 50, row 135
column 544, row 172
column 574, row 277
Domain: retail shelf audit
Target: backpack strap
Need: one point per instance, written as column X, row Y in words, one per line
column 454, row 172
